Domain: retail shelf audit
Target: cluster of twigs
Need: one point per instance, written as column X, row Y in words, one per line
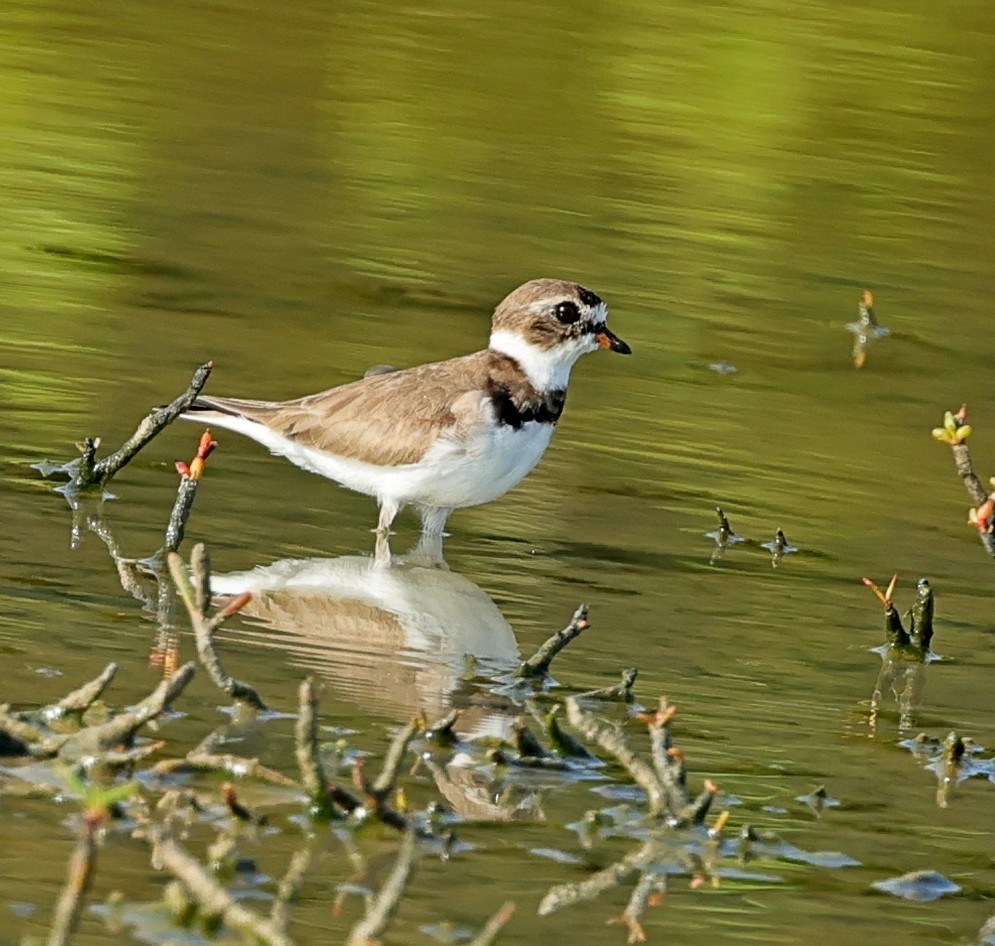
column 202, row 896
column 725, row 538
column 672, row 831
column 905, row 654
column 669, row 808
column 197, row 892
column 912, row 642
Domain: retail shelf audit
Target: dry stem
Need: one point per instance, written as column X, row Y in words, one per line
column 538, row 664
column 196, row 597
column 87, row 472
column 80, row 700
column 210, row 896
column 82, row 866
column 121, row 728
column 613, row 741
column 308, row 758
column 378, row 914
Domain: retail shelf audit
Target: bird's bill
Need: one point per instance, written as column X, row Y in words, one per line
column 608, row 339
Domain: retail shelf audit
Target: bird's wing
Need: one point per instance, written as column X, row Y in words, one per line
column 385, row 419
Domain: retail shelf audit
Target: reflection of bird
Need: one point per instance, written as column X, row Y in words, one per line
column 446, row 435
column 396, row 640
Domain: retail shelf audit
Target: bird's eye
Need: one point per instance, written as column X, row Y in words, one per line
column 567, row 312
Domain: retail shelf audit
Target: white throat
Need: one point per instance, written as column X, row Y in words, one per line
column 547, row 368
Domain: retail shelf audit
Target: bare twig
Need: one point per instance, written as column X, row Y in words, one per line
column 185, row 496
column 987, row 931
column 621, row 691
column 308, row 758
column 82, row 866
column 116, row 758
column 196, row 597
column 442, row 731
column 384, row 783
column 613, row 741
column 369, row 929
column 562, row 742
column 190, row 475
column 156, row 421
column 210, row 896
column 565, row 895
column 975, row 489
column 954, row 432
column 290, row 883
column 538, row 664
column 80, row 700
column 695, row 811
column 650, row 885
column 668, row 763
column 28, row 738
column 374, row 795
column 494, row 925
column 121, row 728
column 525, row 743
column 965, row 470
column 86, row 472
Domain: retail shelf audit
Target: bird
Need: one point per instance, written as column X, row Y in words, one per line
column 445, row 435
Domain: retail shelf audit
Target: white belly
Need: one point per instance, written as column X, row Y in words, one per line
column 450, row 475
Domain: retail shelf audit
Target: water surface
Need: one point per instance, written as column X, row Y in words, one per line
column 302, row 192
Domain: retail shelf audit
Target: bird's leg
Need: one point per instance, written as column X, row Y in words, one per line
column 433, row 519
column 427, row 552
column 388, row 510
column 381, row 550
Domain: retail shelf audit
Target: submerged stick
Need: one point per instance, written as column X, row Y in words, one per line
column 538, row 664
column 494, row 925
column 205, row 757
column 621, row 691
column 80, row 699
column 122, row 727
column 133, row 574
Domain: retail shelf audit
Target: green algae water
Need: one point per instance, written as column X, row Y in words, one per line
column 301, row 192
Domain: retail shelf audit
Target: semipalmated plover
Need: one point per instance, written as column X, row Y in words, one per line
column 446, row 435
